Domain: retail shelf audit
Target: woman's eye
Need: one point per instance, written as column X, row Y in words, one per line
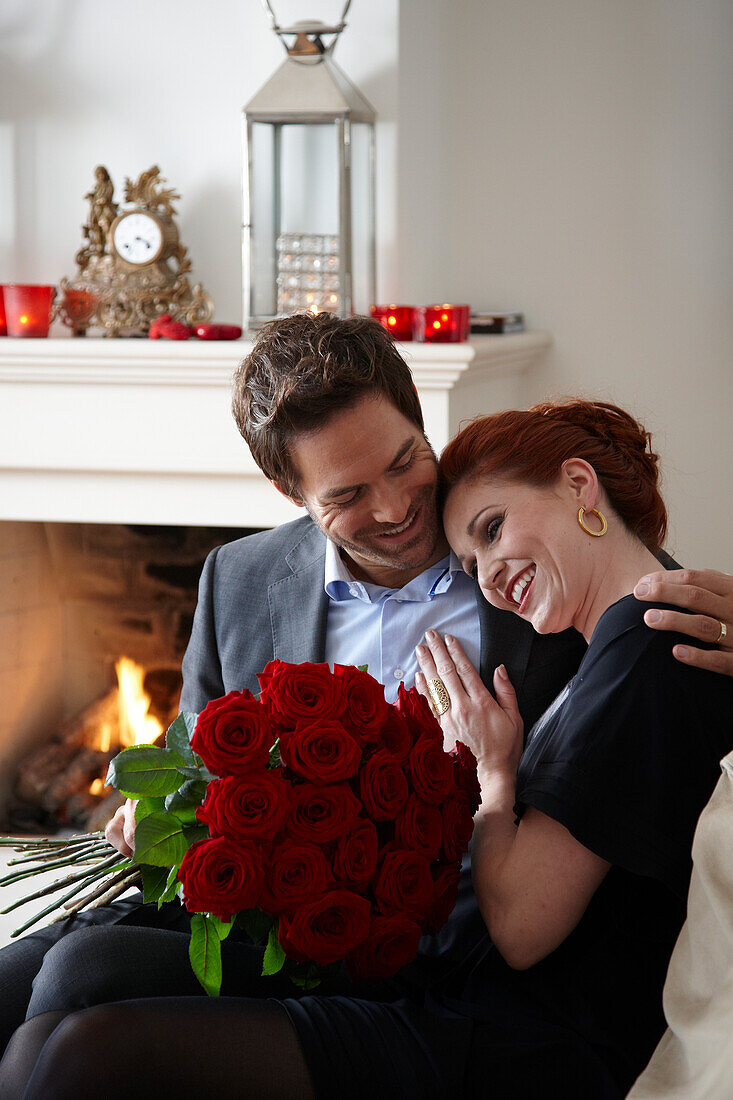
column 492, row 530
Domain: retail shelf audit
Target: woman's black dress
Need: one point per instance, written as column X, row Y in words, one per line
column 626, row 758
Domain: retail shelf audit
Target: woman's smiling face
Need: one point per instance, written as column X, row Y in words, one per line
column 524, row 547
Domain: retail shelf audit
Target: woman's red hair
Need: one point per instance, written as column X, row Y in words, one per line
column 532, row 445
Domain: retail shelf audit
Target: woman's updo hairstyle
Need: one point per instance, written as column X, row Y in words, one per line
column 531, row 447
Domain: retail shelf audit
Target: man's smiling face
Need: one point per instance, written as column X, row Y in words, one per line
column 368, row 479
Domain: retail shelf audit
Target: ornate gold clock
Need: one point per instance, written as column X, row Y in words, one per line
column 132, row 265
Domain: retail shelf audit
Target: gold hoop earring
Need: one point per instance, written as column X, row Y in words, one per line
column 599, row 515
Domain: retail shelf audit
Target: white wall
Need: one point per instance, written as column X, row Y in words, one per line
column 575, row 160
column 572, row 158
column 157, row 81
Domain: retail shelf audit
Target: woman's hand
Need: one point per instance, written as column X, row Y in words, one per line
column 706, row 593
column 492, row 728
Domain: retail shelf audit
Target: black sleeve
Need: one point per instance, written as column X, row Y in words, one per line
column 633, row 756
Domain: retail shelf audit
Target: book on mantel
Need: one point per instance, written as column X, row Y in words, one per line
column 498, row 321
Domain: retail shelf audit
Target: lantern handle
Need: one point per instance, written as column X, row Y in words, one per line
column 337, row 28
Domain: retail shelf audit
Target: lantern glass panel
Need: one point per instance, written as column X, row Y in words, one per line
column 362, row 217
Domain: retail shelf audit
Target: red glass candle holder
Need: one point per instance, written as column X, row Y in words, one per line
column 76, row 309
column 442, row 324
column 3, row 327
column 28, row 309
column 398, row 320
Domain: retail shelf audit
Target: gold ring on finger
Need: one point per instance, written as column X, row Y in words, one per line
column 723, row 633
column 439, row 696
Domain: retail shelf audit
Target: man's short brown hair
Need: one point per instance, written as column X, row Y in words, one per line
column 303, row 369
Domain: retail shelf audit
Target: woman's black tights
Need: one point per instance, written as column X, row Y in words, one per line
column 158, row 1047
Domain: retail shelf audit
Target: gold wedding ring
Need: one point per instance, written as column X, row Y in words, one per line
column 439, row 696
column 721, row 637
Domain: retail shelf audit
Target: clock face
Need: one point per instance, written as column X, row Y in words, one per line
column 138, row 238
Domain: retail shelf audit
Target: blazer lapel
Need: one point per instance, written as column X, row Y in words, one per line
column 298, row 603
column 505, row 639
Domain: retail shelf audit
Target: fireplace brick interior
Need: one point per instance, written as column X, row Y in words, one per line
column 74, row 597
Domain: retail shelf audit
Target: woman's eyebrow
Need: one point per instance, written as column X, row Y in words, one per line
column 472, row 524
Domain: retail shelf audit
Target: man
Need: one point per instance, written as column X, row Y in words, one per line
column 330, row 413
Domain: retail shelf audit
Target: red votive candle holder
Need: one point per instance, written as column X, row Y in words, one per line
column 3, row 326
column 442, row 324
column 398, row 320
column 28, row 309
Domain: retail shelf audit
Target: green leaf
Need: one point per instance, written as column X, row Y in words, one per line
column 163, row 840
column 147, row 806
column 196, row 773
column 275, row 761
column 179, row 736
column 204, row 951
column 362, row 668
column 171, row 887
column 306, row 977
column 274, row 959
column 188, row 797
column 223, row 928
column 256, row 924
column 147, row 770
column 154, row 879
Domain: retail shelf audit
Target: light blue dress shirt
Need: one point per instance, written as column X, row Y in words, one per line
column 380, row 627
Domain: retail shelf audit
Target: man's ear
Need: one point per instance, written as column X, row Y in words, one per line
column 294, row 499
column 579, row 479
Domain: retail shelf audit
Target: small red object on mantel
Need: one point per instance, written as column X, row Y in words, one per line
column 442, row 324
column 28, row 309
column 3, row 326
column 211, row 331
column 166, row 328
column 398, row 320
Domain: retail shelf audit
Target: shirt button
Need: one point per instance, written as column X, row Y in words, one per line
column 398, row 673
column 352, row 592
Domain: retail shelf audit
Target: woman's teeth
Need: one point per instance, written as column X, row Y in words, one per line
column 521, row 583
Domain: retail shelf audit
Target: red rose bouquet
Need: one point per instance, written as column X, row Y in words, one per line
column 326, row 822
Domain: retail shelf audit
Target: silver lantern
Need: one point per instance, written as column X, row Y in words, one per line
column 308, row 182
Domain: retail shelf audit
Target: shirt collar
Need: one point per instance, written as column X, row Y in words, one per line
column 341, row 586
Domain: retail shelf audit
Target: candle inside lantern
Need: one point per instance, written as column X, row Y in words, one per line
column 28, row 309
column 3, row 327
column 442, row 324
column 398, row 320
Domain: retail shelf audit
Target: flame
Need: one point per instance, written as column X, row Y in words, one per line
column 137, row 727
column 97, row 787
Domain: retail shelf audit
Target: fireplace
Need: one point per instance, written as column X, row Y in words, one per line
column 95, row 620
column 108, row 447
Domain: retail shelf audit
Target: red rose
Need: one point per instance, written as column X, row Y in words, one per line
column 322, row 751
column 395, row 735
column 321, row 814
column 246, row 807
column 392, row 944
column 418, row 715
column 382, row 786
column 300, row 693
column 220, row 877
column 431, row 769
column 233, row 734
column 457, row 825
column 296, row 871
column 404, row 884
column 325, row 929
column 420, row 828
column 465, row 774
column 366, row 708
column 355, row 858
column 446, row 891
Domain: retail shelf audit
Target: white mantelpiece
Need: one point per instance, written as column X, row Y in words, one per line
column 140, row 431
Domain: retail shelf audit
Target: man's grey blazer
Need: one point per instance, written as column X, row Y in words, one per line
column 263, row 597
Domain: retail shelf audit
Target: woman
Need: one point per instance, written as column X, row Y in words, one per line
column 577, row 940
column 581, row 851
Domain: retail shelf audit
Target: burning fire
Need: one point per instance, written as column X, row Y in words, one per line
column 128, row 723
column 137, row 727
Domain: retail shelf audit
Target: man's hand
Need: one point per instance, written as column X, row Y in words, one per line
column 706, row 593
column 121, row 830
